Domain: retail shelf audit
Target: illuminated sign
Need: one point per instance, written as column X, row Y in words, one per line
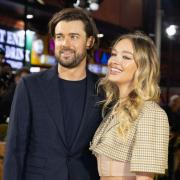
column 12, row 41
column 98, row 69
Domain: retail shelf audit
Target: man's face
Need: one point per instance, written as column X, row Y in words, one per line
column 71, row 43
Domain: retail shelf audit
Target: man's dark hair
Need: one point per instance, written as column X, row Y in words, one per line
column 73, row 14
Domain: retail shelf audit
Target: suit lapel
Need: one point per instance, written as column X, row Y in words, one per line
column 53, row 101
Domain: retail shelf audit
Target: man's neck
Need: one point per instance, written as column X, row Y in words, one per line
column 73, row 74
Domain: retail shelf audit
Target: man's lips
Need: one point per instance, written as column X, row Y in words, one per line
column 67, row 52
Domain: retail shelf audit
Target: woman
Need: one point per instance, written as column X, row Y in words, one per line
column 132, row 140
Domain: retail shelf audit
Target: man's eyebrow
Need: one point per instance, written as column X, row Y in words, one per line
column 69, row 34
column 74, row 34
column 58, row 34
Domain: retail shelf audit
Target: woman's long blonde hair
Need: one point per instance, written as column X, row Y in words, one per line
column 145, row 82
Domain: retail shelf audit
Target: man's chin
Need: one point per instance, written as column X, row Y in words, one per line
column 67, row 65
column 64, row 62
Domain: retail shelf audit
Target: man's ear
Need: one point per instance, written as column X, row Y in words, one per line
column 90, row 42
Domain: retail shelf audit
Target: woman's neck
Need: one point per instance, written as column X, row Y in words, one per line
column 124, row 92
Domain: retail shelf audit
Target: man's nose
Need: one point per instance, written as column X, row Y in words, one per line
column 66, row 42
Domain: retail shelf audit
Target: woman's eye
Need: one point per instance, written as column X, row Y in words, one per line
column 113, row 54
column 126, row 57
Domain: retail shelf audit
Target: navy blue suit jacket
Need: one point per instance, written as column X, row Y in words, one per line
column 36, row 142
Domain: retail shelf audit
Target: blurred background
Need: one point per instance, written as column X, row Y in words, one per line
column 26, row 47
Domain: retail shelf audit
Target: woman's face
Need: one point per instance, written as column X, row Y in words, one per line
column 121, row 65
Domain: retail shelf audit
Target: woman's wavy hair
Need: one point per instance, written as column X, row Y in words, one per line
column 145, row 82
column 73, row 14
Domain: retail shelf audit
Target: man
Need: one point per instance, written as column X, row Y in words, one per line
column 55, row 113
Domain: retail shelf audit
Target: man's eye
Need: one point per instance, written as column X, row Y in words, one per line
column 74, row 37
column 59, row 37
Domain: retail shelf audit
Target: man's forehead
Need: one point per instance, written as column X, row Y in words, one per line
column 75, row 26
column 77, row 23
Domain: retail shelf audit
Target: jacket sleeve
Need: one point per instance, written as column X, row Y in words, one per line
column 18, row 134
column 150, row 151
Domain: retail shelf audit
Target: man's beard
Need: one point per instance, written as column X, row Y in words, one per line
column 72, row 61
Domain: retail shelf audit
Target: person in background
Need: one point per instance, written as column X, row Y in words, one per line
column 6, row 75
column 7, row 98
column 55, row 112
column 173, row 112
column 6, row 85
column 6, row 78
column 2, row 55
column 132, row 141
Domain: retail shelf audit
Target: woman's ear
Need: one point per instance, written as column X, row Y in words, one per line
column 90, row 42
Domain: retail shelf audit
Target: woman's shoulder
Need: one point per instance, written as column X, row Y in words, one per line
column 151, row 111
column 152, row 106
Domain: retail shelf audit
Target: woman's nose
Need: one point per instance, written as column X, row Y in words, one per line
column 115, row 60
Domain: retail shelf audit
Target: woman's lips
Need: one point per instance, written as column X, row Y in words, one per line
column 114, row 70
